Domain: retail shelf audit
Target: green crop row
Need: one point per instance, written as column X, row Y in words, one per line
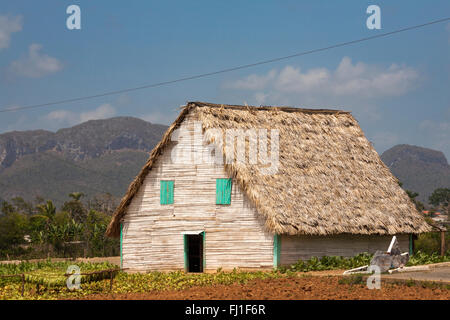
column 328, row 263
column 334, row 262
column 138, row 282
column 420, row 258
column 49, row 274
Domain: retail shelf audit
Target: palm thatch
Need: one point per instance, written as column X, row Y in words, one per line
column 330, row 179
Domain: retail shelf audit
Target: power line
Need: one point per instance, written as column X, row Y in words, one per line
column 203, row 75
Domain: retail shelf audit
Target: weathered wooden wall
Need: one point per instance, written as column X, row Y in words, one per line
column 153, row 233
column 235, row 234
column 294, row 248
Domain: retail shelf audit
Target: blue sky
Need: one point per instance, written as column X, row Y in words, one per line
column 396, row 87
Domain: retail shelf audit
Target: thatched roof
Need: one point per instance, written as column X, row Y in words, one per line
column 330, row 179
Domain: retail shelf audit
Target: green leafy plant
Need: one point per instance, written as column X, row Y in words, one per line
column 328, row 263
column 420, row 258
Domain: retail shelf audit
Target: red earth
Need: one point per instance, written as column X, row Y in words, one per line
column 297, row 288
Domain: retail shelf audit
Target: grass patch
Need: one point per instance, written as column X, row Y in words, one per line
column 410, row 283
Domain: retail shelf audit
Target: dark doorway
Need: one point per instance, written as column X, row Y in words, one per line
column 195, row 252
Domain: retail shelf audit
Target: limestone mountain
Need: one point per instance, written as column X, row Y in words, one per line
column 421, row 170
column 98, row 156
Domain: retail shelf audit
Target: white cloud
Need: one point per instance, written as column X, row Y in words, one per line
column 441, row 128
column 23, row 121
column 438, row 132
column 359, row 79
column 56, row 119
column 102, row 112
column 261, row 97
column 64, row 117
column 8, row 25
column 157, row 117
column 253, row 82
column 35, row 64
column 384, row 140
column 369, row 112
column 291, row 79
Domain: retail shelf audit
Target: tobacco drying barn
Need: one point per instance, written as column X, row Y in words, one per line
column 330, row 194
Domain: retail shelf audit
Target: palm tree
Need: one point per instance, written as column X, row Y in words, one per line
column 48, row 209
column 76, row 195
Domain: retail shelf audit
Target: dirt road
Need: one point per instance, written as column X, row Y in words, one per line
column 441, row 274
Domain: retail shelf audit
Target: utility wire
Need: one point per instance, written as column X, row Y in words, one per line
column 203, row 75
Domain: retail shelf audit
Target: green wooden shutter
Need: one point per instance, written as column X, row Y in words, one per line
column 276, row 250
column 166, row 194
column 223, row 191
column 170, row 188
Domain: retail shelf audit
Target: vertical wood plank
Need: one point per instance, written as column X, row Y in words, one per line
column 204, row 250
column 411, row 250
column 121, row 245
column 346, row 245
column 153, row 233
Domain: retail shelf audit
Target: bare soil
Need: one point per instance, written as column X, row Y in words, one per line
column 301, row 288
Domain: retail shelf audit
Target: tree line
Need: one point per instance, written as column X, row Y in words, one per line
column 439, row 200
column 38, row 229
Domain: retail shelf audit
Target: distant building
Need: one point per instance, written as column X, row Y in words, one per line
column 439, row 217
